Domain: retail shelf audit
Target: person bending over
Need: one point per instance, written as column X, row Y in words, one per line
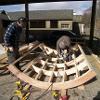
column 63, row 47
column 11, row 39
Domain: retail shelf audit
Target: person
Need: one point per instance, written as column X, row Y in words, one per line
column 11, row 39
column 63, row 47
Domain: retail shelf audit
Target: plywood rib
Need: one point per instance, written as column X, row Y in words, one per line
column 71, row 63
column 70, row 71
column 61, row 65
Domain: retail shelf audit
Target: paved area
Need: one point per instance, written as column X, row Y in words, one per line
column 91, row 89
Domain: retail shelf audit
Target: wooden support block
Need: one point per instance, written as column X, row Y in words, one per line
column 77, row 72
column 63, row 92
column 64, row 77
column 51, row 77
column 28, row 66
column 39, row 75
column 81, row 87
column 44, row 65
column 54, row 68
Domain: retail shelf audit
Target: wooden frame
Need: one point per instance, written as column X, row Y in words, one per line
column 61, row 71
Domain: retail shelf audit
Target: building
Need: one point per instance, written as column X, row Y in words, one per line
column 47, row 24
column 47, row 19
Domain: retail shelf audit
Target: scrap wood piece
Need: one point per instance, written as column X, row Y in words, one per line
column 33, row 48
column 23, row 49
column 3, row 67
column 48, row 50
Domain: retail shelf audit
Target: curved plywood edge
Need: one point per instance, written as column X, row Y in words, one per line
column 77, row 81
column 56, row 86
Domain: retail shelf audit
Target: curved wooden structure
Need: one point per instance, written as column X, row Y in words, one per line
column 42, row 71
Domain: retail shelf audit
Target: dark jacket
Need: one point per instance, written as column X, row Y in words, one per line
column 12, row 35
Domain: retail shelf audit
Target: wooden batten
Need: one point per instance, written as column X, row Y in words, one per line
column 44, row 65
column 38, row 76
column 51, row 77
column 65, row 77
column 28, row 66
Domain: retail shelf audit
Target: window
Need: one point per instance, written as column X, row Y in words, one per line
column 37, row 24
column 54, row 24
column 65, row 25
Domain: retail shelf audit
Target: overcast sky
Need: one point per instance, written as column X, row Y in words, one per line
column 79, row 6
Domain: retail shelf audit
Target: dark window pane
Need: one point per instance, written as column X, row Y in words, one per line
column 37, row 24
column 53, row 24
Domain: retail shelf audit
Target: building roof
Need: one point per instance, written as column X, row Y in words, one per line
column 9, row 2
column 44, row 14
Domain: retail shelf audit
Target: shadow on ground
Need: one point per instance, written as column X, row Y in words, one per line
column 97, row 96
column 95, row 45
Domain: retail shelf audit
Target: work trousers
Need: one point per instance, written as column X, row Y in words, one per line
column 12, row 56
